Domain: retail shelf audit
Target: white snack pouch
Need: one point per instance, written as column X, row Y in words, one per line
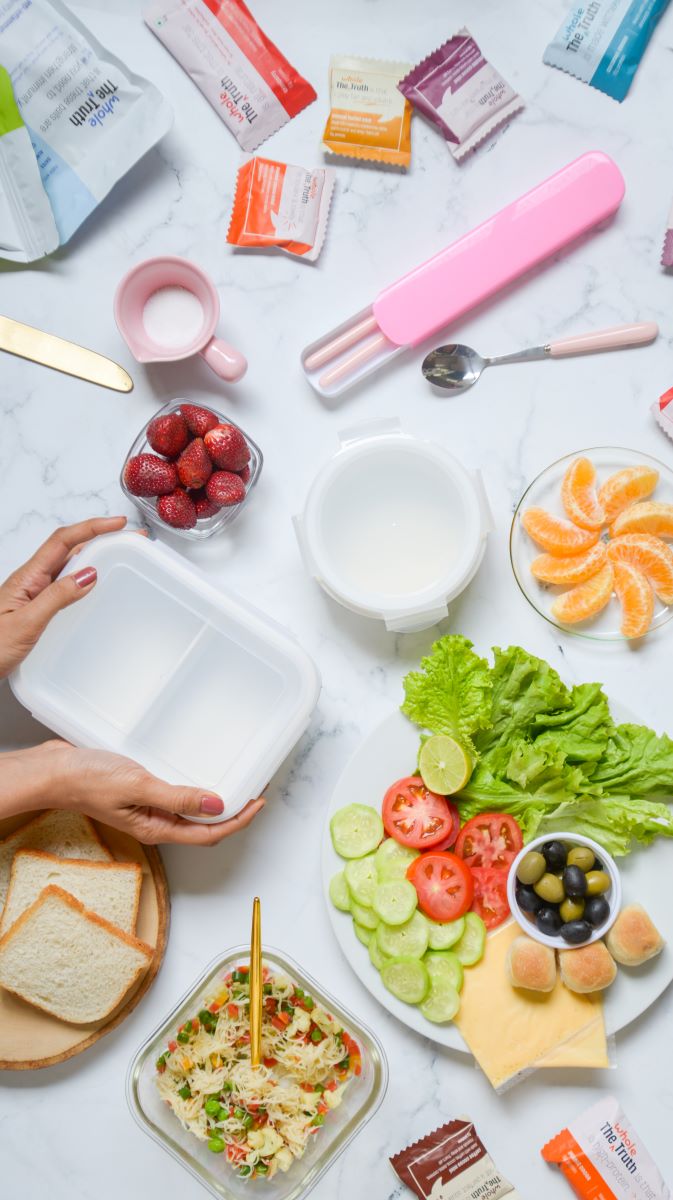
column 27, row 226
column 89, row 118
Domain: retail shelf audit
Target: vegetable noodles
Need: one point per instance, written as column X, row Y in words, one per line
column 262, row 1119
column 549, row 755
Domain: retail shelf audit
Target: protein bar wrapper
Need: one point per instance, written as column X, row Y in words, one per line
column 457, row 89
column 452, row 1163
column 242, row 74
column 667, row 252
column 277, row 204
column 603, row 1158
column 369, row 118
column 602, row 42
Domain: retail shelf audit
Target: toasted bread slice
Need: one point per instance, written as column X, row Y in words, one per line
column 67, row 834
column 110, row 889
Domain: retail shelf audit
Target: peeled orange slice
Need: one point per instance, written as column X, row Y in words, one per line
column 636, row 598
column 585, row 600
column 556, row 535
column 578, row 493
column 649, row 555
column 548, row 568
column 648, row 517
column 626, row 487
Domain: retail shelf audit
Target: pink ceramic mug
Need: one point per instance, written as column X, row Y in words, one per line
column 148, row 278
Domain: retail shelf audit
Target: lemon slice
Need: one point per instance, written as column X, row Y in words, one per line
column 445, row 767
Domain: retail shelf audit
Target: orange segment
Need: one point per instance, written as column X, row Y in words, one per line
column 626, row 487
column 649, row 555
column 578, row 493
column 555, row 535
column 572, row 569
column 648, row 517
column 585, row 600
column 636, row 598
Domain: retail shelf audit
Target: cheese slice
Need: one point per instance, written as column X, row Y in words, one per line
column 510, row 1030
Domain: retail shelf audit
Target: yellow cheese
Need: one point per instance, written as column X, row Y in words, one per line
column 510, row 1030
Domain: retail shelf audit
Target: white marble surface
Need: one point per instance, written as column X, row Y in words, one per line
column 66, row 1132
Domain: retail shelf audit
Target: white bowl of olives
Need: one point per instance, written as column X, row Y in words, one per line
column 564, row 890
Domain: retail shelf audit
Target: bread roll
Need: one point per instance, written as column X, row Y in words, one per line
column 531, row 965
column 588, row 968
column 634, row 937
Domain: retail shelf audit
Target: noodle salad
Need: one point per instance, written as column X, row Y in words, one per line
column 262, row 1119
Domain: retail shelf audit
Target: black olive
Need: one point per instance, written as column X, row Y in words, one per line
column 575, row 881
column 598, row 866
column 596, row 910
column 576, row 932
column 548, row 920
column 555, row 854
column 528, row 899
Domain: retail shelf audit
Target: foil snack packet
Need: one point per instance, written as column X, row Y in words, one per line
column 281, row 205
column 369, row 118
column 452, row 1163
column 602, row 42
column 27, row 226
column 242, row 74
column 461, row 93
column 667, row 252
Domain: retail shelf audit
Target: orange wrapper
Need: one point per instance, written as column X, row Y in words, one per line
column 281, row 205
column 369, row 118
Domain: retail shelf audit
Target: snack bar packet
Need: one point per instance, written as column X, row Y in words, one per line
column 601, row 1155
column 452, row 1164
column 667, row 252
column 89, row 118
column 277, row 204
column 461, row 93
column 245, row 78
column 662, row 411
column 602, row 42
column 368, row 119
column 27, row 226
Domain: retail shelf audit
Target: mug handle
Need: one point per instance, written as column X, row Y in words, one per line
column 224, row 360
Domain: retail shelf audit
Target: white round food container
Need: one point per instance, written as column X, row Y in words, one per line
column 394, row 527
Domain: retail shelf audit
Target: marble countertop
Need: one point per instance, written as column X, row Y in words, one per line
column 66, row 1132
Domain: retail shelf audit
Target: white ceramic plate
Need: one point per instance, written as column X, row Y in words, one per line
column 388, row 754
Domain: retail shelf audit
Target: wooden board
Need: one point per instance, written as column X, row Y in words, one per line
column 31, row 1039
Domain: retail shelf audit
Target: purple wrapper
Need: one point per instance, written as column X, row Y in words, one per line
column 667, row 252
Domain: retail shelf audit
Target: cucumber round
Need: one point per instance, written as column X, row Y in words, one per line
column 407, row 979
column 356, row 830
column 378, row 958
column 392, row 860
column 362, row 878
column 470, row 949
column 443, row 967
column 395, row 901
column 441, row 1003
column 338, row 892
column 404, row 941
column 363, row 934
column 443, row 935
column 363, row 915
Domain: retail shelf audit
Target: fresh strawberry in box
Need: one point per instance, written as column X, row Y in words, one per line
column 198, row 420
column 168, row 434
column 227, row 448
column 204, row 507
column 148, row 475
column 225, row 488
column 177, row 509
column 194, row 466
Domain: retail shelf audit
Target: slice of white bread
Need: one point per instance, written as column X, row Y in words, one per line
column 68, row 834
column 110, row 889
column 68, row 961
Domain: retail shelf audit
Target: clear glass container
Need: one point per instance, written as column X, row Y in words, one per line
column 361, row 1100
column 148, row 505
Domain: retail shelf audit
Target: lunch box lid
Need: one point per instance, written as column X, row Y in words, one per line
column 158, row 663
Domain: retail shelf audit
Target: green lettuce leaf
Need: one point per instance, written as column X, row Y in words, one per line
column 524, row 687
column 636, row 760
column 613, row 821
column 452, row 691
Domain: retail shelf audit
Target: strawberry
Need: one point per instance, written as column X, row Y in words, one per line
column 204, row 507
column 245, row 474
column 193, row 466
column 147, row 475
column 177, row 510
column 225, row 488
column 198, row 420
column 227, row 448
column 168, row 434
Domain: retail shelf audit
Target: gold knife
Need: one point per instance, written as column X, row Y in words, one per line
column 56, row 352
column 256, row 985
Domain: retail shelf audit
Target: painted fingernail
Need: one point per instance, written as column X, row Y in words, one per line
column 212, row 806
column 85, row 577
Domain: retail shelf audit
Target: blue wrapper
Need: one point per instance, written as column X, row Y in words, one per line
column 602, row 42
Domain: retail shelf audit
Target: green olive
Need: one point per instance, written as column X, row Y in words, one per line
column 572, row 909
column 582, row 857
column 531, row 868
column 597, row 883
column 550, row 888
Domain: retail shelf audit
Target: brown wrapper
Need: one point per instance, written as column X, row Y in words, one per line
column 452, row 1163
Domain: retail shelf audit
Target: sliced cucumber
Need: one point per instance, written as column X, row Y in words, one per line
column 356, row 830
column 470, row 949
column 378, row 958
column 392, row 860
column 444, row 935
column 444, row 967
column 363, row 934
column 395, row 901
column 441, row 1003
column 362, row 878
column 404, row 941
column 363, row 915
column 338, row 892
column 407, row 979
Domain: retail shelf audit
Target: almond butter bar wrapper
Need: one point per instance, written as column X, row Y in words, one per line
column 369, row 119
column 452, row 1163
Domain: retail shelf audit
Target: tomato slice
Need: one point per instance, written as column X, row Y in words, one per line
column 414, row 816
column 450, row 841
column 490, row 895
column 489, row 840
column 443, row 883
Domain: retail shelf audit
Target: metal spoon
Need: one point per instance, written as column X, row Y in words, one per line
column 458, row 367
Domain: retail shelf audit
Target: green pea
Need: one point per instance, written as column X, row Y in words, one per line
column 216, row 1144
column 550, row 888
column 597, row 883
column 182, row 1038
column 248, row 1121
column 572, row 909
column 185, row 1092
column 582, row 857
column 212, row 1108
column 227, row 1086
column 531, row 868
column 239, row 1113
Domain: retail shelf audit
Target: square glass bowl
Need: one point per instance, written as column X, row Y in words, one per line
column 148, row 505
column 362, row 1097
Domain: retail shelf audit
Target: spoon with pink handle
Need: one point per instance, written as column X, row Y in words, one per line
column 458, row 367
